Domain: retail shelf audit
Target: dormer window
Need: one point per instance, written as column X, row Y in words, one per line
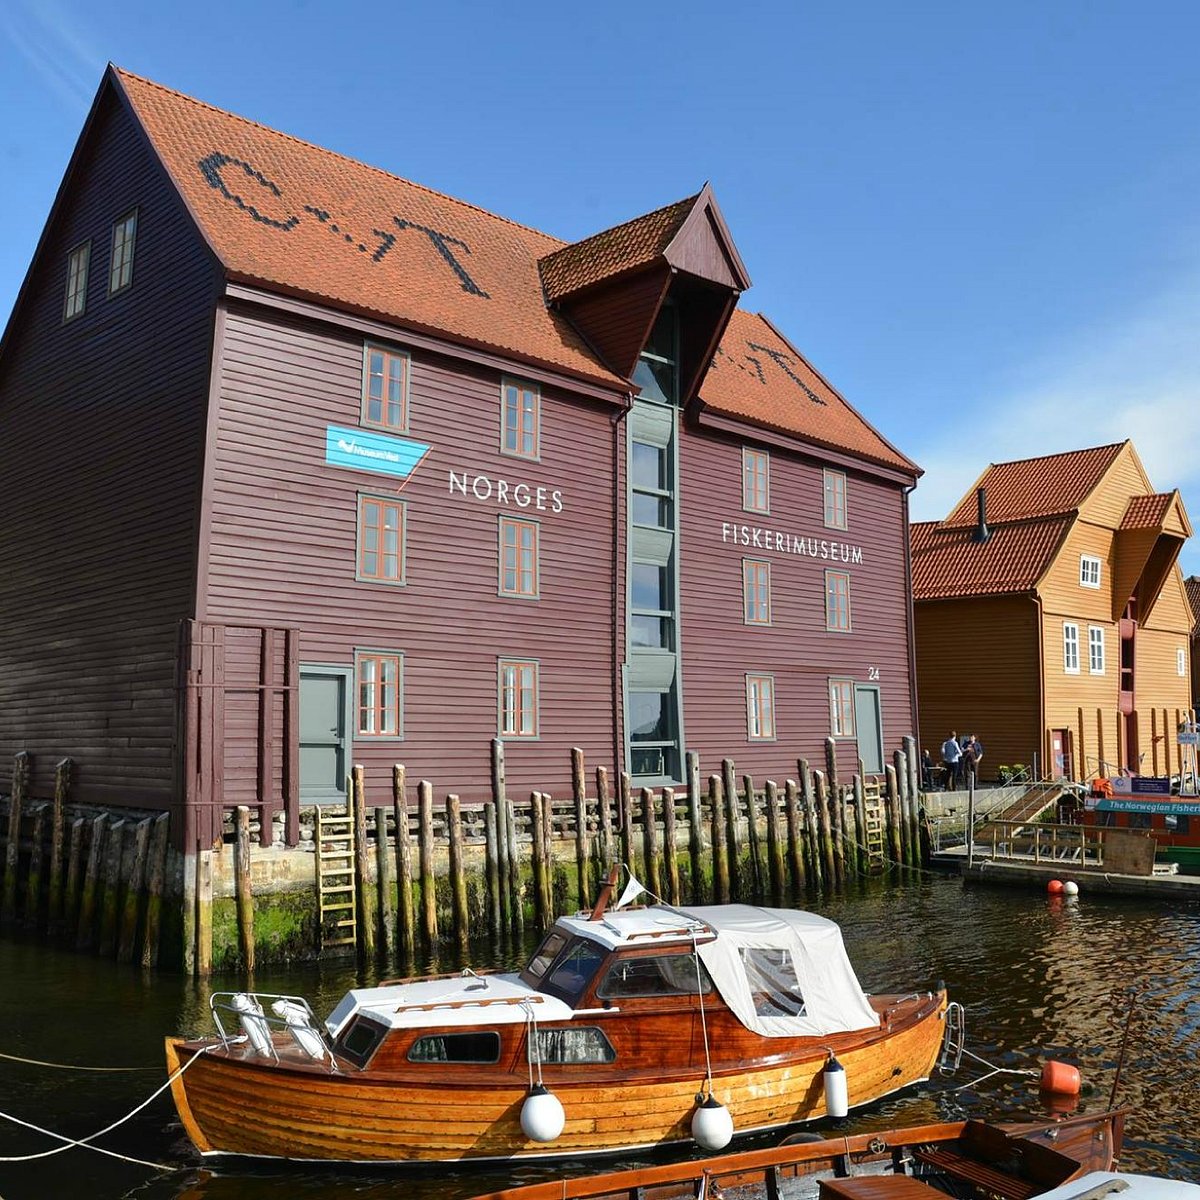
column 120, row 272
column 656, row 371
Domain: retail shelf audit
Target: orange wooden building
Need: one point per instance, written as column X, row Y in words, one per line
column 1052, row 620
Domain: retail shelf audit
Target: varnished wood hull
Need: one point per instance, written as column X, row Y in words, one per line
column 233, row 1104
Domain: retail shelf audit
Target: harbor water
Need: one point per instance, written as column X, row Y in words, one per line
column 1040, row 977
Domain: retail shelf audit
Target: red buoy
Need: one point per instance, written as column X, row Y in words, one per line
column 1054, row 887
column 1060, row 1078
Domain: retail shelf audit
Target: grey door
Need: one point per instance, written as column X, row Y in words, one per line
column 324, row 734
column 868, row 722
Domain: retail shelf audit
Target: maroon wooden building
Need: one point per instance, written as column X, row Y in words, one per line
column 302, row 465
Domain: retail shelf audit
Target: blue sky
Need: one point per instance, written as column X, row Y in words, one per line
column 981, row 222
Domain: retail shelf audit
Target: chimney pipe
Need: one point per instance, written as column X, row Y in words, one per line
column 982, row 532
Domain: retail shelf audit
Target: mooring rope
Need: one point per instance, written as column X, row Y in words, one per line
column 68, row 1143
column 37, row 1062
column 993, row 1070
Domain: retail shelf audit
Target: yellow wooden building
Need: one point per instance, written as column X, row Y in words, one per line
column 1052, row 620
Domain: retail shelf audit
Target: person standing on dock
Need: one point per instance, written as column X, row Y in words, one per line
column 951, row 757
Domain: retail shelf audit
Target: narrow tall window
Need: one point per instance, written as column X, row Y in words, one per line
column 520, row 419
column 837, row 601
column 1089, row 571
column 1180, row 661
column 120, row 272
column 756, row 481
column 835, row 500
column 1070, row 648
column 760, row 707
column 385, row 388
column 756, row 591
column 518, row 698
column 380, row 539
column 77, row 280
column 1095, row 650
column 378, row 678
column 841, row 707
column 518, row 558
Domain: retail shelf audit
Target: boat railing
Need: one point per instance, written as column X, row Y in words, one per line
column 254, row 1017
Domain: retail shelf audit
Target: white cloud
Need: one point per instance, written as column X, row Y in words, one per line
column 51, row 41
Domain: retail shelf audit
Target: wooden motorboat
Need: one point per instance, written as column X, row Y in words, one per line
column 627, row 1029
column 1053, row 1159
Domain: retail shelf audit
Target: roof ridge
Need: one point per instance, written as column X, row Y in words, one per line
column 1028, row 519
column 1014, row 462
column 162, row 87
column 620, row 224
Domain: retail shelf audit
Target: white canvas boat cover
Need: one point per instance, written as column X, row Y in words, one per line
column 783, row 973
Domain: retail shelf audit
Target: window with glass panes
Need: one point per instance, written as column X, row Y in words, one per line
column 835, row 500
column 837, row 601
column 841, row 707
column 385, row 388
column 653, row 737
column 652, row 615
column 760, row 706
column 378, row 683
column 380, row 539
column 1095, row 650
column 518, row 557
column 518, row 698
column 519, row 420
column 120, row 273
column 756, row 591
column 1070, row 648
column 77, row 281
column 756, row 481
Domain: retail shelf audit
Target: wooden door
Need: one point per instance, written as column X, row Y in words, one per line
column 324, row 733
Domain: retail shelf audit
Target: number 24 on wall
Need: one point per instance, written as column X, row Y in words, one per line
column 873, row 673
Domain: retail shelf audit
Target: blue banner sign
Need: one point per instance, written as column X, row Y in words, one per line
column 1150, row 785
column 362, row 450
column 1170, row 808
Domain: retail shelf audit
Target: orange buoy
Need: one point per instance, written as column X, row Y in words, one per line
column 1054, row 887
column 1060, row 1078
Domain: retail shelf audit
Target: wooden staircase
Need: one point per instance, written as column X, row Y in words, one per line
column 1034, row 800
column 336, row 899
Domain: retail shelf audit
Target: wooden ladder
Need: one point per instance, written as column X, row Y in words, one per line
column 873, row 833
column 336, row 899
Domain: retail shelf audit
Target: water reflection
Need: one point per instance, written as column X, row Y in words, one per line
column 1040, row 978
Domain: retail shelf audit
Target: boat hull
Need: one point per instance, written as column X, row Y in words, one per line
column 234, row 1103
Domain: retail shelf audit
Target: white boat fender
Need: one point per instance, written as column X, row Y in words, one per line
column 252, row 1021
column 300, row 1027
column 542, row 1116
column 837, row 1101
column 712, row 1124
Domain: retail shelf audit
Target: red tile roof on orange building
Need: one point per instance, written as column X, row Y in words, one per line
column 947, row 562
column 1035, row 487
column 1147, row 512
column 287, row 216
column 1192, row 586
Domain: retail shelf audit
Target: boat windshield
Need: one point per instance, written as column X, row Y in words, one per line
column 547, row 952
column 573, row 970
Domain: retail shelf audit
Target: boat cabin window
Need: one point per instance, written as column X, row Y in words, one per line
column 771, row 975
column 479, row 1046
column 1177, row 824
column 573, row 970
column 1139, row 821
column 657, row 975
column 546, row 954
column 564, row 1046
column 360, row 1041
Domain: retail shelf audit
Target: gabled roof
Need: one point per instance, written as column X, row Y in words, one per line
column 1192, row 586
column 948, row 563
column 1035, row 487
column 286, row 216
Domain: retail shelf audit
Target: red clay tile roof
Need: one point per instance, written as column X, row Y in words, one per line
column 1147, row 512
column 758, row 376
column 1192, row 586
column 614, row 251
column 946, row 563
column 1036, row 487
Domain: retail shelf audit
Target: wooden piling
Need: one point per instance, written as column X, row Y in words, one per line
column 893, row 821
column 155, row 885
column 365, row 925
column 719, row 847
column 860, row 826
column 188, row 931
column 245, row 897
column 753, row 836
column 110, row 891
column 135, row 883
column 516, row 895
column 669, row 847
column 204, row 913
column 498, row 798
column 808, row 826
column 579, row 794
column 385, row 892
column 898, row 766
column 406, row 917
column 837, row 822
column 653, row 879
column 831, row 765
column 491, row 866
column 70, row 902
column 62, row 787
column 625, row 806
column 730, row 794
column 695, row 828
column 33, row 877
column 22, row 764
column 793, row 818
column 458, row 877
column 604, row 816
column 548, row 844
column 538, row 835
column 774, row 847
column 821, row 805
column 428, row 881
column 913, row 762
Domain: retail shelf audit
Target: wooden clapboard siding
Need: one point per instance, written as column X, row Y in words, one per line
column 1060, row 589
column 101, row 426
column 978, row 672
column 1066, row 693
column 283, row 549
column 796, row 648
column 1165, row 632
column 1105, row 505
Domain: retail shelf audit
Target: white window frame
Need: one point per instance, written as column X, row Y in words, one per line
column 762, row 457
column 1070, row 648
column 835, row 709
column 512, row 398
column 1091, row 570
column 760, row 707
column 1096, row 642
column 1180, row 660
column 835, row 489
column 511, row 682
